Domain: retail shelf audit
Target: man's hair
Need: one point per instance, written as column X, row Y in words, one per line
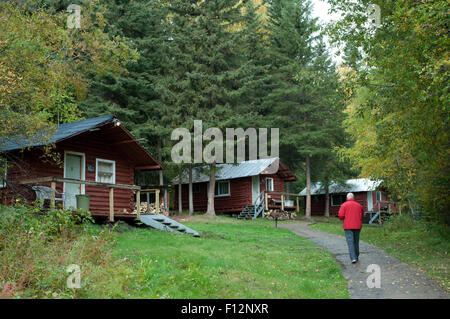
column 350, row 195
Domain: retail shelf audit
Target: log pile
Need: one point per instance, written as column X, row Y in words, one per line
column 152, row 209
column 280, row 215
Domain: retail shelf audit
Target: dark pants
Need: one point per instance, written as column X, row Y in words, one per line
column 352, row 236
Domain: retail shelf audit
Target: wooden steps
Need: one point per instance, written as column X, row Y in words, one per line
column 162, row 222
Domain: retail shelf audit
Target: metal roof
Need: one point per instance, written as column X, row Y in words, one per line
column 351, row 185
column 227, row 171
column 63, row 131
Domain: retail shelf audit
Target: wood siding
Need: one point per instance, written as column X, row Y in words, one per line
column 240, row 195
column 93, row 147
column 318, row 203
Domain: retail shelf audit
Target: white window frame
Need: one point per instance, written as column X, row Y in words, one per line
column 381, row 196
column 332, row 204
column 267, row 184
column 105, row 161
column 221, row 195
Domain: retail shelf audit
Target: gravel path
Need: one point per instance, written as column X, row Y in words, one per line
column 398, row 280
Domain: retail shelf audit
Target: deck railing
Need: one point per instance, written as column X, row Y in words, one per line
column 283, row 197
column 53, row 180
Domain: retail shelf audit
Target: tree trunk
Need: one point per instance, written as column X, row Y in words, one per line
column 180, row 204
column 161, row 179
column 212, row 182
column 327, row 200
column 191, row 200
column 308, row 189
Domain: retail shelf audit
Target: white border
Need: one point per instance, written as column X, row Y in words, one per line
column 106, row 161
column 273, row 185
column 83, row 170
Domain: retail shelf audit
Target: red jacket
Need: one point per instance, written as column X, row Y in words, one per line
column 351, row 212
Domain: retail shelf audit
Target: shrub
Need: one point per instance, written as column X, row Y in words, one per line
column 36, row 248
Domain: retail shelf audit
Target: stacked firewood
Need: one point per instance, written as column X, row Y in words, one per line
column 280, row 214
column 152, row 209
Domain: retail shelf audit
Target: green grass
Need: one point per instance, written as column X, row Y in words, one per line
column 232, row 259
column 418, row 244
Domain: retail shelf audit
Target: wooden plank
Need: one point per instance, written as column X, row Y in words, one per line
column 266, row 202
column 77, row 181
column 111, row 204
column 157, row 201
column 138, row 205
column 52, row 195
column 92, row 183
column 36, row 180
column 283, row 193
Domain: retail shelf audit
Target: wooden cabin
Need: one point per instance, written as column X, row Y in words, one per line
column 237, row 185
column 367, row 192
column 97, row 156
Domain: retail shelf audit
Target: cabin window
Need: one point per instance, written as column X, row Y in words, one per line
column 269, row 184
column 195, row 188
column 378, row 196
column 338, row 200
column 3, row 172
column 106, row 171
column 222, row 188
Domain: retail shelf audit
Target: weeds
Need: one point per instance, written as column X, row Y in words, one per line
column 37, row 246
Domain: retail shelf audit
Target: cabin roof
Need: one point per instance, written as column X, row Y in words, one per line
column 114, row 134
column 243, row 169
column 62, row 132
column 351, row 185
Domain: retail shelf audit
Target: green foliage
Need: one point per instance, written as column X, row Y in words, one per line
column 399, row 115
column 44, row 65
column 36, row 248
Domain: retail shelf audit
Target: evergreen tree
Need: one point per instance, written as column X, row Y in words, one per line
column 208, row 74
column 303, row 102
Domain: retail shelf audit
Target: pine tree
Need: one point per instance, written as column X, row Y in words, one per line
column 208, row 71
column 302, row 102
column 139, row 96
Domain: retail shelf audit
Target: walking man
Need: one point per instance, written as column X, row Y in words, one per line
column 352, row 213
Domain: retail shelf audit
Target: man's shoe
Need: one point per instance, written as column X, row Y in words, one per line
column 354, row 261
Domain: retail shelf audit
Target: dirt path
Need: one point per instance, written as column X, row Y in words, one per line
column 398, row 280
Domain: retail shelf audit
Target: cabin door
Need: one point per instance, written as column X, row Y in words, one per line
column 255, row 188
column 369, row 201
column 73, row 168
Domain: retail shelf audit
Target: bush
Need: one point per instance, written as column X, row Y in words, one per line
column 36, row 247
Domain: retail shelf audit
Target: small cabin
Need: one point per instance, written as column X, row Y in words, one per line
column 237, row 185
column 367, row 192
column 96, row 156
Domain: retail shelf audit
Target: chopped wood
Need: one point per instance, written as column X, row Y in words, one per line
column 152, row 209
column 280, row 214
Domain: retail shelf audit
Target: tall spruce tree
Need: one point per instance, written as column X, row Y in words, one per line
column 303, row 77
column 208, row 71
column 139, row 97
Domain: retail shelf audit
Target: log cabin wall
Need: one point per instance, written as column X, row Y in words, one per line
column 93, row 146
column 240, row 194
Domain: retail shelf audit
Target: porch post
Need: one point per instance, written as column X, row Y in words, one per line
column 52, row 195
column 266, row 202
column 111, row 204
column 138, row 204
column 282, row 202
column 298, row 206
column 157, row 201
